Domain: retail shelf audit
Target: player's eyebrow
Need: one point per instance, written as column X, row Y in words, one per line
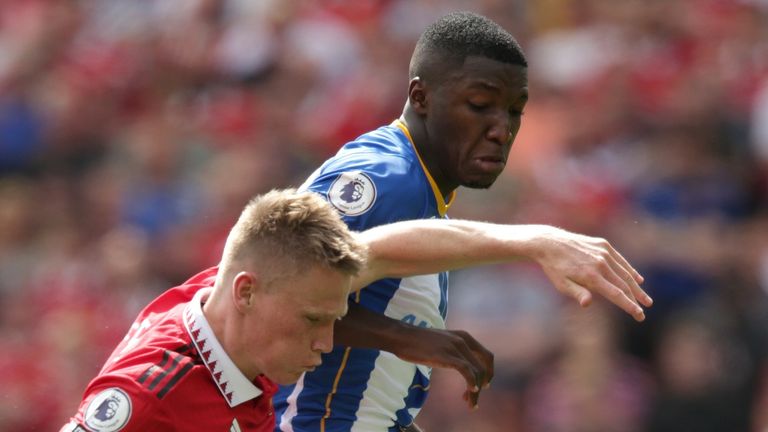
column 486, row 86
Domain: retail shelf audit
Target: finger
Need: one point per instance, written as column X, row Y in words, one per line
column 477, row 367
column 474, row 376
column 465, row 362
column 487, row 359
column 471, row 398
column 469, row 372
column 619, row 277
column 571, row 289
column 640, row 294
column 484, row 356
column 629, row 281
column 615, row 296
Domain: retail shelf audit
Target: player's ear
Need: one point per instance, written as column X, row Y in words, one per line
column 417, row 95
column 245, row 286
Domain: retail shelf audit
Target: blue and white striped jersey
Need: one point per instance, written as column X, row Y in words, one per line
column 377, row 179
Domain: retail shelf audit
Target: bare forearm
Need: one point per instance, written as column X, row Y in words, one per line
column 577, row 265
column 431, row 246
column 362, row 328
column 453, row 349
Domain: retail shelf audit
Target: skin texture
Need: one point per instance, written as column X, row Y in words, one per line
column 464, row 124
column 281, row 330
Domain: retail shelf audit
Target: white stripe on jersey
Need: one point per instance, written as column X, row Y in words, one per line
column 419, row 296
column 391, row 377
column 285, row 421
column 385, row 393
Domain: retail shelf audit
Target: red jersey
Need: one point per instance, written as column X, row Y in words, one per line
column 170, row 373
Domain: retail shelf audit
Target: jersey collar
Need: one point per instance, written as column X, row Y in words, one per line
column 442, row 206
column 233, row 385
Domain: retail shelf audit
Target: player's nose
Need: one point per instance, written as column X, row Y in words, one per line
column 323, row 340
column 500, row 128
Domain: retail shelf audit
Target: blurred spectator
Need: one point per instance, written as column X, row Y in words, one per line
column 703, row 375
column 590, row 385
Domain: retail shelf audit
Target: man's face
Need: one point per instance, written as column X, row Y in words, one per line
column 472, row 119
column 291, row 324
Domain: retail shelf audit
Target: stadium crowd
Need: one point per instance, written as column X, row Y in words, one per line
column 132, row 133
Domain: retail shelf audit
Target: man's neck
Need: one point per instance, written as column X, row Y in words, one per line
column 427, row 150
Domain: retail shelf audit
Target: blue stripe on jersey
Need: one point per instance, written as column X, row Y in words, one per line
column 377, row 295
column 311, row 403
column 417, row 394
column 352, row 383
column 354, row 380
column 443, row 294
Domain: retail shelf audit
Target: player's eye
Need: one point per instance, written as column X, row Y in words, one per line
column 478, row 107
column 516, row 112
column 312, row 319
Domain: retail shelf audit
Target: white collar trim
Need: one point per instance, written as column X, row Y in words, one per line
column 233, row 385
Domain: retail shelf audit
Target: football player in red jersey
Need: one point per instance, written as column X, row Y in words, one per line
column 207, row 355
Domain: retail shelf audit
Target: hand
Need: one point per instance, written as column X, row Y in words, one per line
column 580, row 265
column 452, row 349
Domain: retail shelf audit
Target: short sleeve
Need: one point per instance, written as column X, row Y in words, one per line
column 370, row 189
column 115, row 403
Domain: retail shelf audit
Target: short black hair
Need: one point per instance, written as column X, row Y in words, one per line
column 458, row 35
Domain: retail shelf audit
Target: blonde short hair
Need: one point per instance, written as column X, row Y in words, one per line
column 284, row 232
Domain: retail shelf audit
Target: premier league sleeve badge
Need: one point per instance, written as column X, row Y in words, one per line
column 109, row 411
column 352, row 193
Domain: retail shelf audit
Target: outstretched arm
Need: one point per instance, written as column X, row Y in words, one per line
column 578, row 266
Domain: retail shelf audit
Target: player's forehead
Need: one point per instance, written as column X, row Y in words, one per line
column 485, row 74
column 318, row 289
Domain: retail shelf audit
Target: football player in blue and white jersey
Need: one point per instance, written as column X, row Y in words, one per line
column 467, row 91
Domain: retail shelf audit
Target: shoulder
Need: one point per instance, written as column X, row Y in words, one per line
column 156, row 367
column 383, row 152
column 155, row 356
column 118, row 403
column 377, row 173
column 131, row 392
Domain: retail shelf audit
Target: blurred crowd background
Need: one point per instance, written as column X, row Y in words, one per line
column 133, row 132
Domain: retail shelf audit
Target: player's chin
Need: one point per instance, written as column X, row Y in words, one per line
column 480, row 177
column 286, row 377
column 479, row 183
